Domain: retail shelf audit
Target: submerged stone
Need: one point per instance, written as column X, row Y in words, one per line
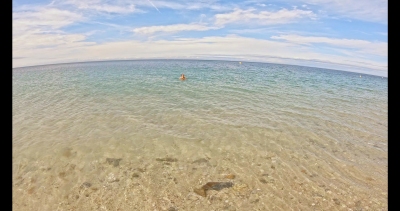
column 201, row 160
column 337, row 202
column 212, row 186
column 31, row 190
column 200, row 191
column 66, row 152
column 167, row 159
column 113, row 161
column 112, row 178
column 86, row 185
column 230, row 176
column 172, row 209
column 241, row 188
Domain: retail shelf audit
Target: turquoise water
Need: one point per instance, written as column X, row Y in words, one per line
column 294, row 137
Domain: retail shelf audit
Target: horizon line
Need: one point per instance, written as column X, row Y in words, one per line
column 195, row 59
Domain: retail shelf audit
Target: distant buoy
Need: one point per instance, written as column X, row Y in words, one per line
column 360, row 76
column 240, row 62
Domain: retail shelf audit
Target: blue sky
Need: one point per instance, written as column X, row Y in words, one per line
column 346, row 35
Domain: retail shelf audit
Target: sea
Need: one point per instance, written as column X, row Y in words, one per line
column 129, row 135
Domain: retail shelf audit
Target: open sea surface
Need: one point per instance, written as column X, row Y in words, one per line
column 129, row 135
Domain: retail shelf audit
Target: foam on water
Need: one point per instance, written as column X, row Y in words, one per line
column 296, row 138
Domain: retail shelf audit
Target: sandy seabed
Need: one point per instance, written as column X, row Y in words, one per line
column 174, row 176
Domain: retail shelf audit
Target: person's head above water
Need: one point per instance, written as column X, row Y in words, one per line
column 182, row 77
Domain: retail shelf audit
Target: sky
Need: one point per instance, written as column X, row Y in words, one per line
column 349, row 35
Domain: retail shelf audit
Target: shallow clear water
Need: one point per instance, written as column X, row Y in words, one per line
column 295, row 138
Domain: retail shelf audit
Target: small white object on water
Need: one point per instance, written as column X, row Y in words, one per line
column 240, row 62
column 360, row 76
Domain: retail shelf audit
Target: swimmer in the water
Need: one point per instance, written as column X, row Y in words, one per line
column 182, row 77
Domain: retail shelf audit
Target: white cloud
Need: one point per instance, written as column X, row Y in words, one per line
column 376, row 48
column 121, row 7
column 382, row 33
column 367, row 10
column 45, row 18
column 190, row 5
column 229, row 46
column 111, row 8
column 237, row 16
column 264, row 17
column 129, row 6
column 173, row 28
column 42, row 40
column 42, row 28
